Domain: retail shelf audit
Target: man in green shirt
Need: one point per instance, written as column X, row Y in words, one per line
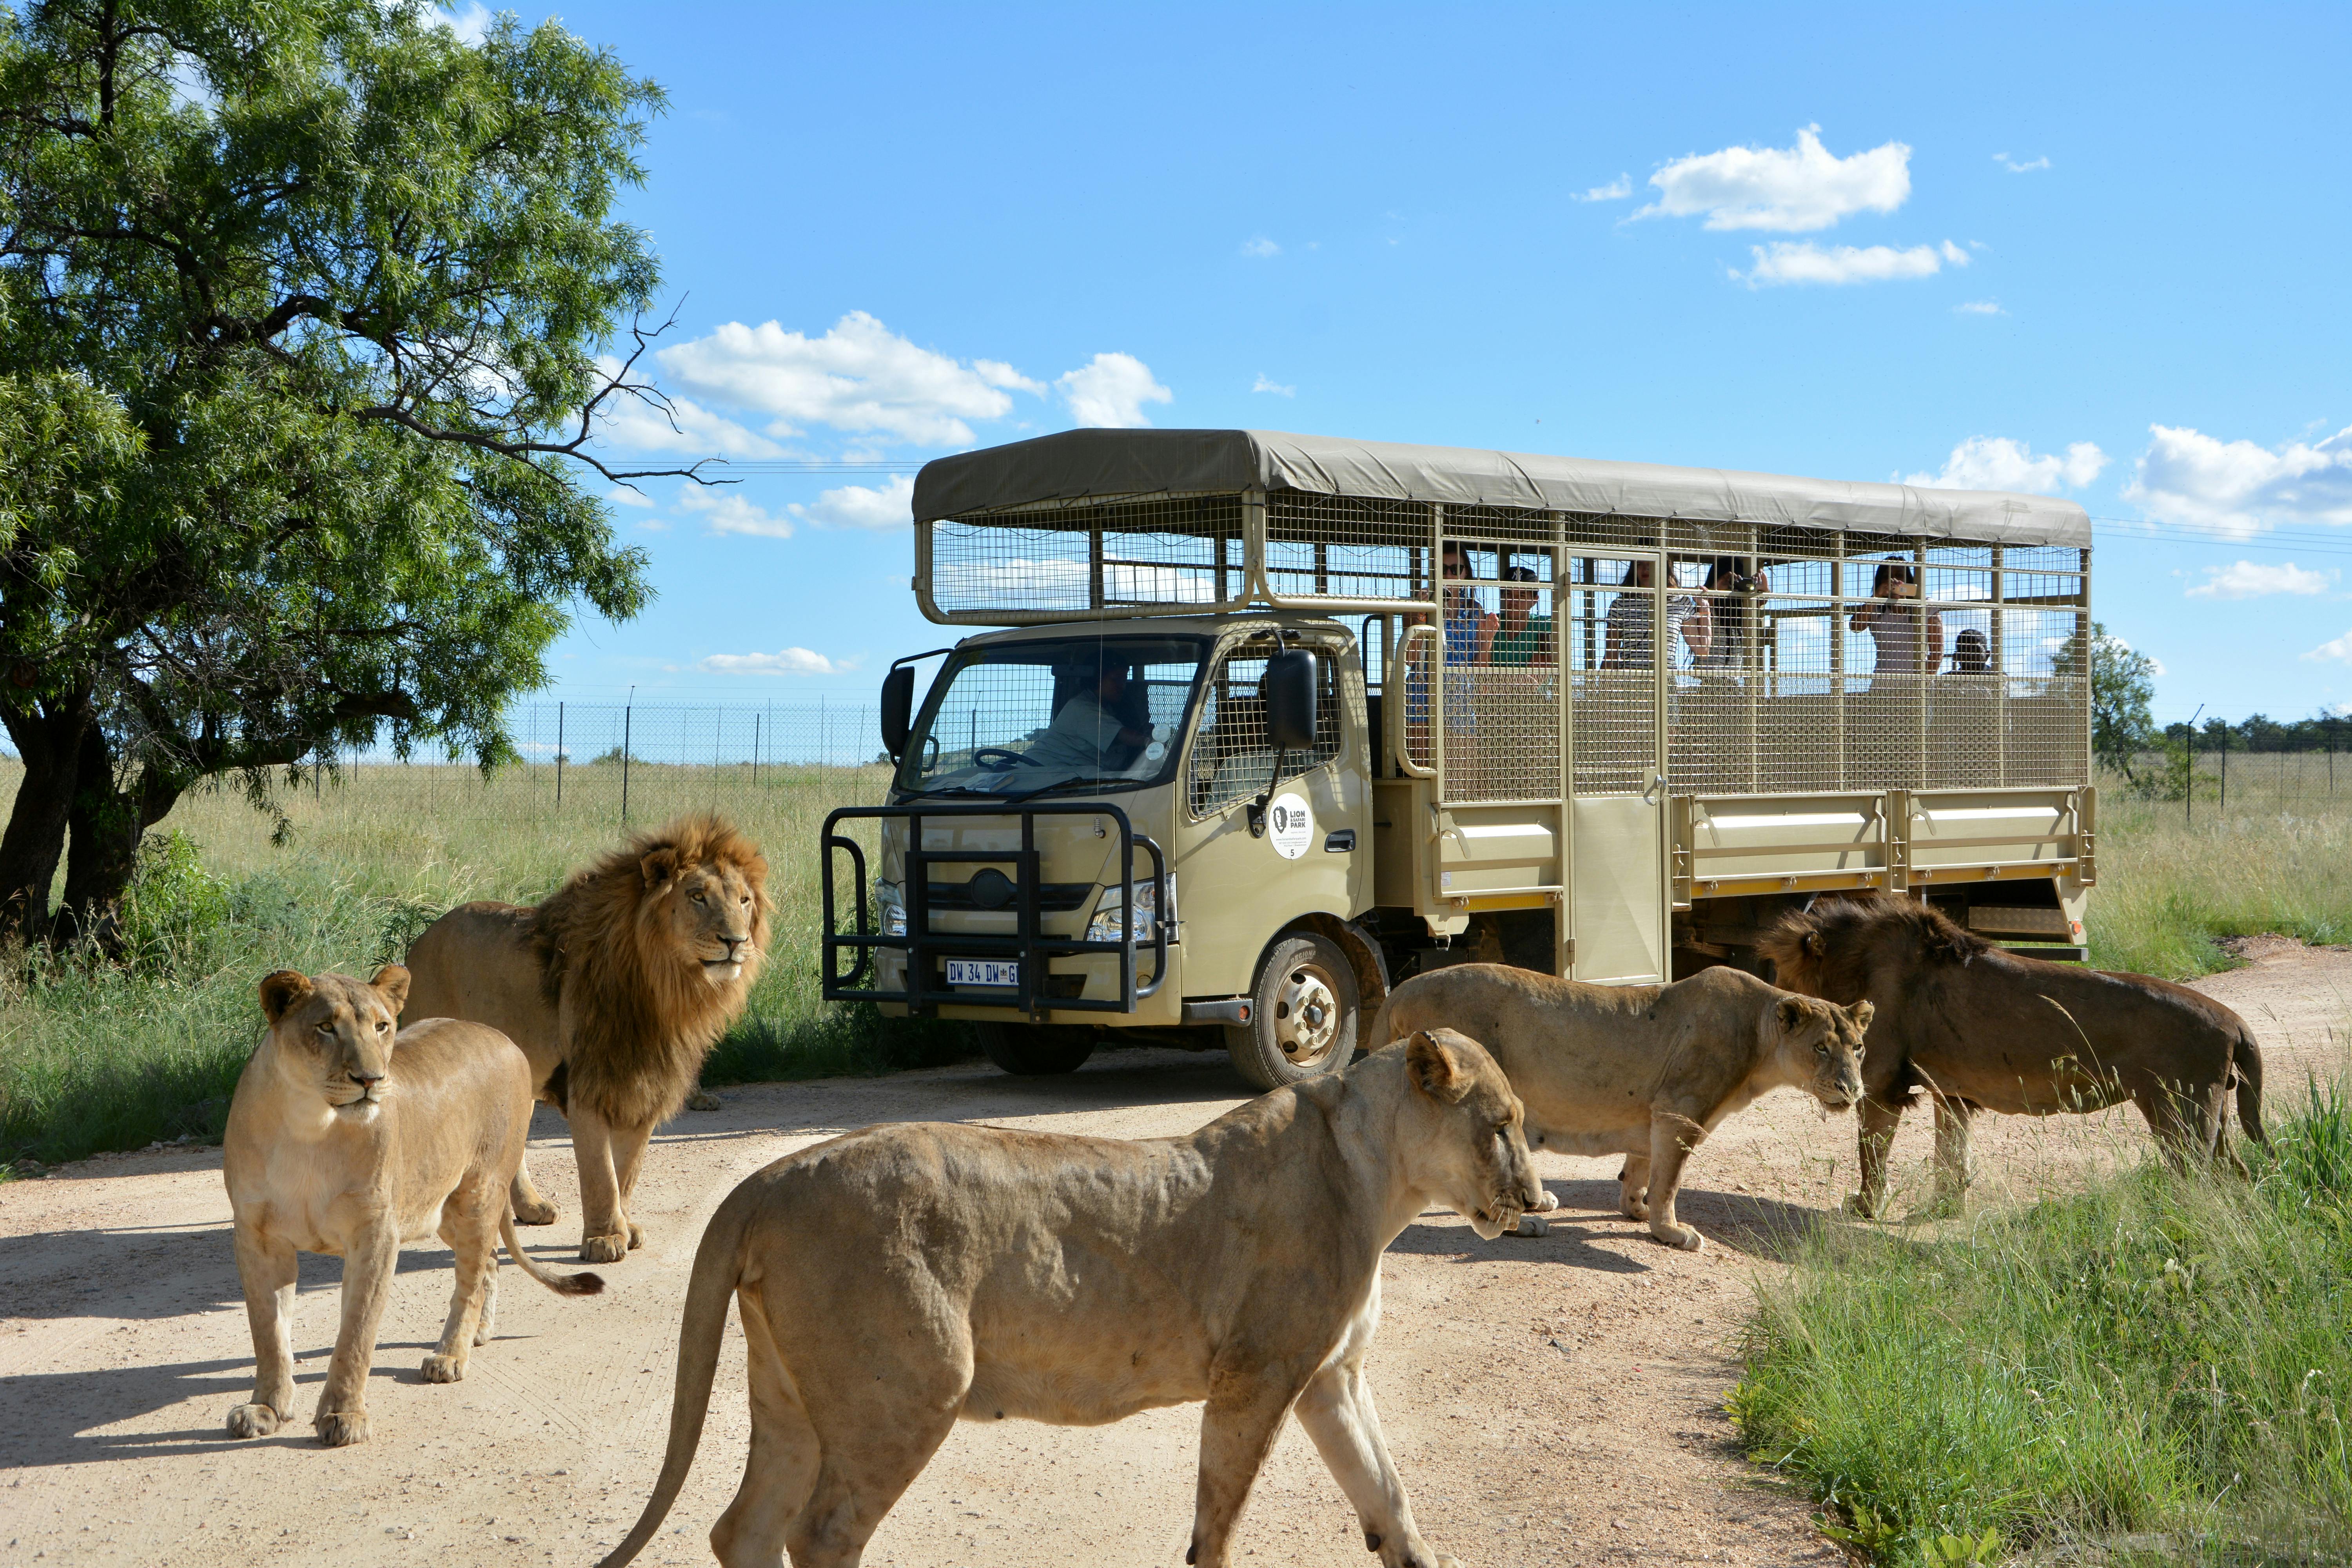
column 1522, row 636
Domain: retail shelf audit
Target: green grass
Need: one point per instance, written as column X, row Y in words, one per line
column 99, row 1056
column 2278, row 861
column 2159, row 1368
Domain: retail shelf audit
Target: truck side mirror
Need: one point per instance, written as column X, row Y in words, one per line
column 1288, row 689
column 897, row 709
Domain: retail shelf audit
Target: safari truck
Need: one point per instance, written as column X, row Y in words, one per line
column 1271, row 721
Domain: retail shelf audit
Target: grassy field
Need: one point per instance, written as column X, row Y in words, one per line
column 99, row 1057
column 2156, row 1370
column 96, row 1056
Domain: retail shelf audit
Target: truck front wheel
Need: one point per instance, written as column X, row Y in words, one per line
column 1036, row 1050
column 1302, row 1014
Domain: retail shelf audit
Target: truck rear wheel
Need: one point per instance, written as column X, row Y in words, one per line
column 1302, row 1014
column 1036, row 1050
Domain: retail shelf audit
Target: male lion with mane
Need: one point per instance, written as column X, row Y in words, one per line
column 899, row 1278
column 1981, row 1029
column 616, row 988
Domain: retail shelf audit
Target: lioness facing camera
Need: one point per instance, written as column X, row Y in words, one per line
column 1646, row 1072
column 346, row 1139
column 898, row 1278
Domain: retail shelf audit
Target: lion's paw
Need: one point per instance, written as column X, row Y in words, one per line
column 540, row 1212
column 604, row 1248
column 340, row 1428
column 1862, row 1205
column 1532, row 1226
column 1681, row 1238
column 1635, row 1208
column 636, row 1236
column 252, row 1421
column 1546, row 1203
column 703, row 1100
column 444, row 1368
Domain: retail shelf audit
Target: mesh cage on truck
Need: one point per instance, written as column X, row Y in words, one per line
column 1025, row 895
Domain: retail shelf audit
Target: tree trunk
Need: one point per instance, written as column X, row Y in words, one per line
column 108, row 824
column 49, row 736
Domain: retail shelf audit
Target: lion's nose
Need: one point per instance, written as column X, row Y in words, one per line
column 363, row 1078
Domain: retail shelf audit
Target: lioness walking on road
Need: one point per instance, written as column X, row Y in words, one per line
column 347, row 1141
column 617, row 988
column 897, row 1280
column 1647, row 1071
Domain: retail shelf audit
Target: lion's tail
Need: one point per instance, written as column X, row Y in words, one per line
column 561, row 1284
column 2248, row 1062
column 718, row 1268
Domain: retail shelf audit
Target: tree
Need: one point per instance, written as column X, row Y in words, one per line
column 2123, row 684
column 341, row 282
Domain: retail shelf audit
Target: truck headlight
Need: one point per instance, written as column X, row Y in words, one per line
column 891, row 902
column 1109, row 923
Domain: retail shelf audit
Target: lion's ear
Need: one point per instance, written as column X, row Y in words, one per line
column 281, row 991
column 1790, row 1011
column 1861, row 1013
column 659, row 867
column 1436, row 1071
column 1815, row 945
column 391, row 982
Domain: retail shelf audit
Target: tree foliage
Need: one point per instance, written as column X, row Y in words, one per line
column 319, row 293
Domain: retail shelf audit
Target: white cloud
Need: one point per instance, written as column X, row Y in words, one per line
column 1998, row 463
column 2341, row 649
column 1978, row 308
column 860, row 376
column 2016, row 167
column 1616, row 190
column 628, row 494
column 470, row 24
column 2248, row 580
column 783, row 661
column 1110, row 392
column 1264, row 384
column 729, row 511
column 1802, row 261
column 859, row 506
column 634, row 425
column 1260, row 247
column 2187, row 476
column 1792, row 190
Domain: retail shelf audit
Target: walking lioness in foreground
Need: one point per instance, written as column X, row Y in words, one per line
column 345, row 1140
column 1647, row 1071
column 901, row 1277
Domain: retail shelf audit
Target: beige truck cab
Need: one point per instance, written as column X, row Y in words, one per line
column 1272, row 722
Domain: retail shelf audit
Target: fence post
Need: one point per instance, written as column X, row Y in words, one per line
column 627, row 709
column 559, row 756
column 2225, row 770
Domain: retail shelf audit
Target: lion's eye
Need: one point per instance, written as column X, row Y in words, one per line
column 328, row 1027
column 746, row 901
column 698, row 898
column 380, row 1027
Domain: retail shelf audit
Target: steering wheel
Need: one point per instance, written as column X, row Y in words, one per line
column 980, row 758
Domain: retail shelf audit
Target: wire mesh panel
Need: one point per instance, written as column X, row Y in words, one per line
column 1230, row 759
column 1110, row 557
column 1502, row 693
column 1347, row 547
column 1615, row 639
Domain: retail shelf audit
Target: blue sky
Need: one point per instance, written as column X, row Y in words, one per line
column 2106, row 254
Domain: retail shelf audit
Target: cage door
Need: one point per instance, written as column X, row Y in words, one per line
column 1626, row 615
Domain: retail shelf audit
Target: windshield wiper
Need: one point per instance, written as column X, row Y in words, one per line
column 1058, row 783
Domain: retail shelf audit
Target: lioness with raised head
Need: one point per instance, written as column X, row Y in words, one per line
column 346, row 1139
column 616, row 988
column 901, row 1277
column 1647, row 1071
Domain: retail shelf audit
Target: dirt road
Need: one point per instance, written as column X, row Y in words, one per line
column 1554, row 1401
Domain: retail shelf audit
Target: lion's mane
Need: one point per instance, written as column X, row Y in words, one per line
column 642, row 1021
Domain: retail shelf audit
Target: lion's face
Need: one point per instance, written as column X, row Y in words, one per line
column 715, row 914
column 334, row 1035
column 1820, row 1047
column 1467, row 1144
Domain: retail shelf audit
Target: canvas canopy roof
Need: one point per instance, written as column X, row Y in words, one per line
column 1077, row 464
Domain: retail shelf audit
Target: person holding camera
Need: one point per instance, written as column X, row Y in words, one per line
column 1731, row 582
column 1910, row 637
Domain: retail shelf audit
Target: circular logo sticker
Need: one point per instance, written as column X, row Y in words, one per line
column 1290, row 825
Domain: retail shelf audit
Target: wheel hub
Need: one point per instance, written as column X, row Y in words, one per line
column 1306, row 1015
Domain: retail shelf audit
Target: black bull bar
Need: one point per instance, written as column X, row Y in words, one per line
column 1027, row 944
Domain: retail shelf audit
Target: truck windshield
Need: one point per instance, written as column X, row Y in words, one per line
column 1082, row 713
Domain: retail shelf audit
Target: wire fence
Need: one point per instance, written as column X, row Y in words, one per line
column 2214, row 776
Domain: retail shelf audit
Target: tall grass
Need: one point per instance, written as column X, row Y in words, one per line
column 96, row 1056
column 2170, row 884
column 2157, row 1369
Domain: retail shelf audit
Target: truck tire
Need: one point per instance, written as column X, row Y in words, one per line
column 1303, row 1014
column 1036, row 1050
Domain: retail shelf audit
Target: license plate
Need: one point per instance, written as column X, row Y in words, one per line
column 982, row 972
